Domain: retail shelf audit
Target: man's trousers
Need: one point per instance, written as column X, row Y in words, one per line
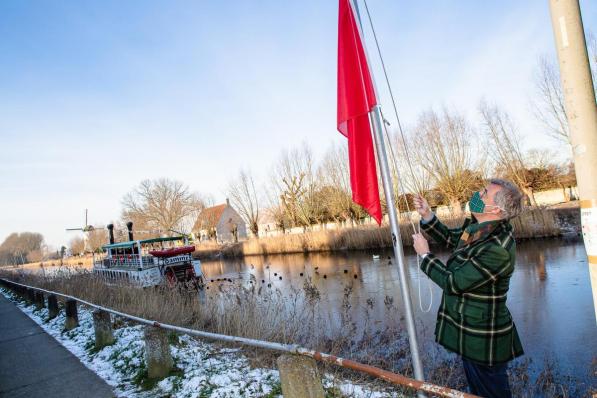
column 487, row 381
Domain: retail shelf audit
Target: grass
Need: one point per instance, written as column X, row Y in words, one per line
column 146, row 383
column 296, row 317
column 538, row 222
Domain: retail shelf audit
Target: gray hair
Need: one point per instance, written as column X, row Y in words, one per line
column 509, row 198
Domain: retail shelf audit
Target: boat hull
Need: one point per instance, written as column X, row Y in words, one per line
column 172, row 274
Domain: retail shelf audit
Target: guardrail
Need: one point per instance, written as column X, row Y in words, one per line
column 103, row 333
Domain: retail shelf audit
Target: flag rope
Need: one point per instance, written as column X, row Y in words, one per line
column 395, row 165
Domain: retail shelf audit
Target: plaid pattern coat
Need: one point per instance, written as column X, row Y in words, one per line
column 473, row 319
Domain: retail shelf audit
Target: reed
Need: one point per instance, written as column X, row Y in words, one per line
column 539, row 222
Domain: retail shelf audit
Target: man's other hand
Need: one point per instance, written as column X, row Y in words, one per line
column 420, row 244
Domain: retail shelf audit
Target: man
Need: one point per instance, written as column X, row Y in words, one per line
column 473, row 320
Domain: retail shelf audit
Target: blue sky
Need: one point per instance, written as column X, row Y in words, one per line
column 96, row 96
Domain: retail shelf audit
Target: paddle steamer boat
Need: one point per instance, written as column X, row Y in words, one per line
column 149, row 262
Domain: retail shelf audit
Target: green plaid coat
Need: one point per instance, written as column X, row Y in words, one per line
column 473, row 319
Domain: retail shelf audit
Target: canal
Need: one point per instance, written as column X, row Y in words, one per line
column 550, row 296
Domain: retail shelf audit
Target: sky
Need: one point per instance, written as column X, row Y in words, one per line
column 96, row 96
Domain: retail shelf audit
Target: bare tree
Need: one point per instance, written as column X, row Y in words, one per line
column 18, row 247
column 293, row 180
column 445, row 150
column 96, row 239
column 548, row 104
column 334, row 175
column 77, row 245
column 163, row 205
column 506, row 151
column 243, row 195
column 293, row 197
column 407, row 177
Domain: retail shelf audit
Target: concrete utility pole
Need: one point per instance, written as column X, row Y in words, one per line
column 581, row 111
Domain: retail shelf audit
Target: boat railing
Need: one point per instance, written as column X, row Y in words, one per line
column 127, row 262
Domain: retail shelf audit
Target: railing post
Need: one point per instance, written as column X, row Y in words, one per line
column 30, row 296
column 157, row 353
column 52, row 306
column 102, row 324
column 299, row 377
column 39, row 300
column 72, row 318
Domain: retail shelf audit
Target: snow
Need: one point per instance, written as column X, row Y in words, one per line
column 203, row 369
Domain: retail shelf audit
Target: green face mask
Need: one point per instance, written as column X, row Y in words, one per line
column 476, row 204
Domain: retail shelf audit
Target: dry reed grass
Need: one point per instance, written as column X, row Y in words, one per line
column 539, row 222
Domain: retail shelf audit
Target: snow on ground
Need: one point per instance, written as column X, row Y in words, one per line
column 202, row 369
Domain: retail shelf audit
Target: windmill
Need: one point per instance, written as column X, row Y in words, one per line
column 86, row 229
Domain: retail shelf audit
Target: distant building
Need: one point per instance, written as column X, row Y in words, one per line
column 221, row 223
column 267, row 224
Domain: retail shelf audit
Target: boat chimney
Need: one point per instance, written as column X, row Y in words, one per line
column 111, row 232
column 227, row 202
column 129, row 226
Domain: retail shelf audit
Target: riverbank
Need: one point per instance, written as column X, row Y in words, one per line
column 74, row 263
column 540, row 222
column 292, row 316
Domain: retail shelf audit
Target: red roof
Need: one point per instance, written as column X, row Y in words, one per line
column 209, row 217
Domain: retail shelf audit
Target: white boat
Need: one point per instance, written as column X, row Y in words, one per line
column 149, row 262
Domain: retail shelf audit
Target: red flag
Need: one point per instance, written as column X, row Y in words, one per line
column 356, row 98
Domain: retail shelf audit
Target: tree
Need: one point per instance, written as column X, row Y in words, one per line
column 293, row 181
column 506, row 152
column 242, row 194
column 334, row 175
column 445, row 149
column 35, row 256
column 162, row 205
column 96, row 239
column 77, row 245
column 17, row 247
column 406, row 174
column 548, row 104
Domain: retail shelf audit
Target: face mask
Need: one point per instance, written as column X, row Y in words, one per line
column 476, row 204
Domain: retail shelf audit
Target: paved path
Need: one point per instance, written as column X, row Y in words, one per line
column 33, row 364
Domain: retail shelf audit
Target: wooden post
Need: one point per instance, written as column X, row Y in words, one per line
column 299, row 377
column 30, row 296
column 52, row 306
column 102, row 324
column 157, row 353
column 72, row 318
column 39, row 300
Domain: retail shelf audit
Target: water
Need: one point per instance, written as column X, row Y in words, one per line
column 550, row 295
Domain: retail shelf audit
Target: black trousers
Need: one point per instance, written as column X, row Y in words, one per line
column 487, row 381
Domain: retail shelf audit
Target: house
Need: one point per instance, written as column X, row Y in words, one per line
column 267, row 224
column 221, row 223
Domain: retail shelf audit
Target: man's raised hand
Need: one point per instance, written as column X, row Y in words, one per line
column 422, row 207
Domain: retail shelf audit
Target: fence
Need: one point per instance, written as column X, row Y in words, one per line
column 298, row 371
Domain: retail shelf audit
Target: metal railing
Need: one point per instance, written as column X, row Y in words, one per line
column 128, row 261
column 388, row 376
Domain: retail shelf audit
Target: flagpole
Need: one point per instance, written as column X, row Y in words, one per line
column 382, row 160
